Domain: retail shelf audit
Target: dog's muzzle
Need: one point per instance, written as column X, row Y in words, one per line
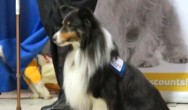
column 56, row 38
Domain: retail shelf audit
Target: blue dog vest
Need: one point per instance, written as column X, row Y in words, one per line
column 118, row 66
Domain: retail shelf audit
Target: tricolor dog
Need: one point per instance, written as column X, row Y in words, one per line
column 95, row 77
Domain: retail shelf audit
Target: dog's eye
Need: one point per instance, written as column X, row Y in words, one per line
column 68, row 23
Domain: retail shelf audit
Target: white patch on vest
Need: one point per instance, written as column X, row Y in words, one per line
column 117, row 63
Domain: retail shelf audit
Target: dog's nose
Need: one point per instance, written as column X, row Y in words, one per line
column 54, row 38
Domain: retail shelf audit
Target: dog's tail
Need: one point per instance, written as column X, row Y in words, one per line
column 1, row 53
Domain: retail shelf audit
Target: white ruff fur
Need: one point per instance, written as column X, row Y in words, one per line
column 78, row 70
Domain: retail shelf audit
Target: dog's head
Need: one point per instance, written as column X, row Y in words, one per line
column 76, row 28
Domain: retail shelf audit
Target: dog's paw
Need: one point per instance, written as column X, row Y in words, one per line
column 45, row 95
column 177, row 60
column 42, row 90
column 34, row 96
column 175, row 55
column 147, row 63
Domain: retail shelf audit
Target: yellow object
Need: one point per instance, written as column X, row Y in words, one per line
column 169, row 81
column 32, row 73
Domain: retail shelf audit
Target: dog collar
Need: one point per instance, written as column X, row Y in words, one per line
column 118, row 65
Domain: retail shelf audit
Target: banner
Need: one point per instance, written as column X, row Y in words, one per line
column 153, row 36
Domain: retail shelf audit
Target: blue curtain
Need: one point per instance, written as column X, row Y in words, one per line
column 33, row 38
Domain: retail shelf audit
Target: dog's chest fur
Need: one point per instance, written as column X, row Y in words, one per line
column 79, row 69
column 76, row 82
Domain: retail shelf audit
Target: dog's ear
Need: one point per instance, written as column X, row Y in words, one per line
column 86, row 16
column 65, row 9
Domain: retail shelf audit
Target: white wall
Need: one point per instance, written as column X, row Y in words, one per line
column 182, row 10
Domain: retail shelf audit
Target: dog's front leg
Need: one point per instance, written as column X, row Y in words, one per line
column 142, row 49
column 174, row 45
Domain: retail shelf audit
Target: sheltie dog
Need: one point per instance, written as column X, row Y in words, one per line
column 95, row 77
column 142, row 28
